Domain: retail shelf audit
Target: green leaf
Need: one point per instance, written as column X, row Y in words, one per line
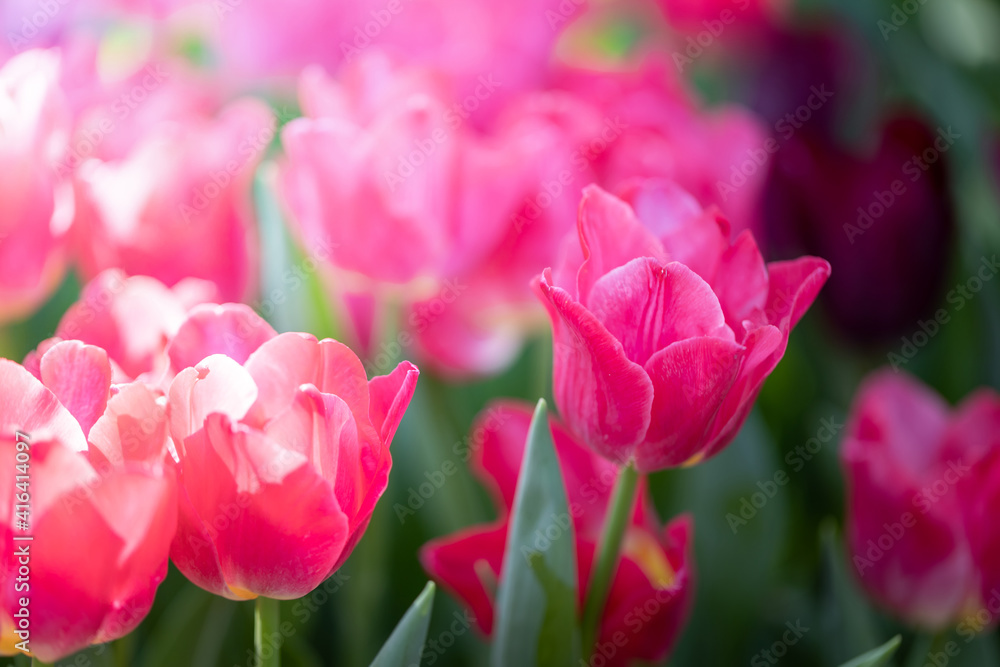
column 406, row 643
column 536, row 602
column 876, row 657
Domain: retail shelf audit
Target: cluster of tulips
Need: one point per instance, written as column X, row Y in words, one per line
column 445, row 183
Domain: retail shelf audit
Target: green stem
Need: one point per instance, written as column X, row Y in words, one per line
column 35, row 661
column 615, row 523
column 267, row 617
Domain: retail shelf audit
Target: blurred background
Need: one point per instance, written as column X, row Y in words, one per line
column 861, row 131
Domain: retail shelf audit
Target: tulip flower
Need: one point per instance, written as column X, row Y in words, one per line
column 978, row 425
column 95, row 475
column 908, row 460
column 884, row 217
column 132, row 319
column 187, row 211
column 37, row 204
column 282, row 452
column 659, row 129
column 652, row 590
column 664, row 333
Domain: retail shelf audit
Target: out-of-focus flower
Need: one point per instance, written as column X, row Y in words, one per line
column 273, row 40
column 885, row 220
column 97, row 475
column 283, row 451
column 665, row 333
column 656, row 570
column 385, row 169
column 179, row 204
column 132, row 319
column 716, row 17
column 665, row 133
column 412, row 201
column 37, row 205
column 908, row 459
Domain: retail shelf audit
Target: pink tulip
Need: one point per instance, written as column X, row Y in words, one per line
column 37, row 205
column 283, row 451
column 133, row 319
column 96, row 477
column 382, row 167
column 655, row 127
column 186, row 210
column 652, row 591
column 664, row 333
column 908, row 458
column 273, row 40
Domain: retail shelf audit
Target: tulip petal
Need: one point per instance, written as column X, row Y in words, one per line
column 216, row 385
column 691, row 379
column 80, row 377
column 689, row 235
column 467, row 564
column 610, row 236
column 232, row 329
column 29, row 406
column 666, row 608
column 794, row 285
column 133, row 428
column 390, row 396
column 321, row 427
column 603, row 396
column 290, row 530
column 741, row 282
column 647, row 306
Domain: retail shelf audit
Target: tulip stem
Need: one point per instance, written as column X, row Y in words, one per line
column 615, row 523
column 35, row 661
column 266, row 618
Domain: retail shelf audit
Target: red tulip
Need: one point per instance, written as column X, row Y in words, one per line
column 95, row 477
column 908, row 459
column 664, row 334
column 653, row 589
column 37, row 204
column 283, row 451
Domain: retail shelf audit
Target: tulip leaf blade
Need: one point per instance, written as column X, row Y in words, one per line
column 406, row 643
column 536, row 617
column 877, row 656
